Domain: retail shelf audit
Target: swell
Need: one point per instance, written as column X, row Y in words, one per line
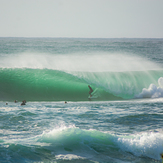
column 75, row 143
column 54, row 85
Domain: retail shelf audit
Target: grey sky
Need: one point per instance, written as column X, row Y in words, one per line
column 81, row 18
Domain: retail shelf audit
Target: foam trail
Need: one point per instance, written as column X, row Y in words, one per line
column 153, row 91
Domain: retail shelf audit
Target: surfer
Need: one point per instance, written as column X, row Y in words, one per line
column 91, row 90
column 23, row 102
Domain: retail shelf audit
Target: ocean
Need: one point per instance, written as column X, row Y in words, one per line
column 121, row 122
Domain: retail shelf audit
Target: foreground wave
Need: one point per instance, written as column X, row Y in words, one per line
column 74, row 144
column 55, row 85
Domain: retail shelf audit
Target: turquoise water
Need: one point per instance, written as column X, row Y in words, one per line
column 122, row 123
column 55, row 85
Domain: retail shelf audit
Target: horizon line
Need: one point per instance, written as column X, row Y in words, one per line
column 82, row 37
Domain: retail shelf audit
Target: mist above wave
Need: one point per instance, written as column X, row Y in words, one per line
column 90, row 62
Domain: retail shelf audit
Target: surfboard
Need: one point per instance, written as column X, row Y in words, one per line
column 91, row 97
column 94, row 94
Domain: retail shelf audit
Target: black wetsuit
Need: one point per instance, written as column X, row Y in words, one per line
column 91, row 90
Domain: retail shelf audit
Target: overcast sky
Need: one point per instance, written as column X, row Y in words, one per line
column 81, row 18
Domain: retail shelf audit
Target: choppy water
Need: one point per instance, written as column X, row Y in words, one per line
column 119, row 131
column 123, row 123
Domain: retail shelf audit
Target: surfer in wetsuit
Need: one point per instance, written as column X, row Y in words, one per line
column 91, row 90
column 23, row 102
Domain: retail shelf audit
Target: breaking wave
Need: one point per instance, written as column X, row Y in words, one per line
column 55, row 85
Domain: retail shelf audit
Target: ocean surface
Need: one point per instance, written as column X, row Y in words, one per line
column 121, row 123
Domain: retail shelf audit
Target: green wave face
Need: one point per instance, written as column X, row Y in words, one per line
column 53, row 85
column 36, row 84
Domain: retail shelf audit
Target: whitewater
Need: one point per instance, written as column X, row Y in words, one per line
column 123, row 120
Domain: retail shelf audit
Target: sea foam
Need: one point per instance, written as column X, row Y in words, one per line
column 143, row 144
column 153, row 91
